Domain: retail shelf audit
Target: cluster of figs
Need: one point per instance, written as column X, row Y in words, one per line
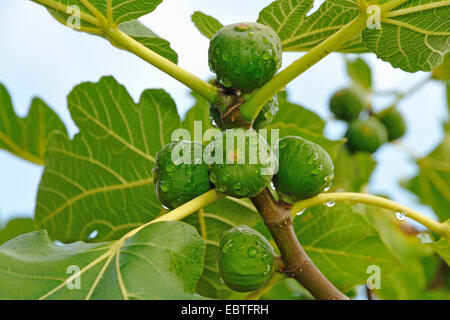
column 244, row 57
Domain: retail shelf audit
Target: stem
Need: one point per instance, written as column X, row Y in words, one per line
column 184, row 210
column 253, row 106
column 440, row 228
column 296, row 262
column 206, row 90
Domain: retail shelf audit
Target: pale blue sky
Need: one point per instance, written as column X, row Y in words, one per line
column 40, row 57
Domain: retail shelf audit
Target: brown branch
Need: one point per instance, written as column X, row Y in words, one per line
column 297, row 264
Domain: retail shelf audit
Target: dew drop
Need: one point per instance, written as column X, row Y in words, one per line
column 222, row 188
column 213, row 177
column 317, row 170
column 170, row 167
column 267, row 55
column 312, row 159
column 227, row 246
column 266, row 272
column 330, row 204
column 400, row 216
column 93, row 234
column 165, row 184
column 424, row 238
column 264, row 256
column 283, row 144
column 225, row 56
column 252, row 252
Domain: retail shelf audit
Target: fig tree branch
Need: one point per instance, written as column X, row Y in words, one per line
column 349, row 197
column 297, row 264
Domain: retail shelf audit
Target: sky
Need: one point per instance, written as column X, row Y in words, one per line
column 40, row 57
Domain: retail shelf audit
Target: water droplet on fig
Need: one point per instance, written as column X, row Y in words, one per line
column 165, row 185
column 252, row 252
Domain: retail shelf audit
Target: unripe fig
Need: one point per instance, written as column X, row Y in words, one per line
column 347, row 104
column 245, row 259
column 305, row 169
column 179, row 174
column 394, row 123
column 242, row 164
column 244, row 56
column 366, row 135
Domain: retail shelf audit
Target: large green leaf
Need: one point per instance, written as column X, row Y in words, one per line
column 218, row 218
column 343, row 244
column 16, row 227
column 207, row 25
column 162, row 261
column 28, row 137
column 123, row 13
column 352, row 171
column 419, row 265
column 432, row 184
column 301, row 32
column 102, row 179
column 413, row 36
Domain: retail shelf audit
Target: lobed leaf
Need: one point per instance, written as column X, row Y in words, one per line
column 207, row 25
column 432, row 184
column 27, row 138
column 301, row 32
column 343, row 245
column 92, row 15
column 101, row 181
column 161, row 261
column 413, row 36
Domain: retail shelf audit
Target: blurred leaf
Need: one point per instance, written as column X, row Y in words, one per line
column 291, row 113
column 418, row 262
column 111, row 191
column 122, row 13
column 299, row 32
column 413, row 36
column 28, row 137
column 16, row 227
column 360, row 72
column 207, row 25
column 343, row 244
column 32, row 267
column 432, row 184
column 352, row 171
column 218, row 218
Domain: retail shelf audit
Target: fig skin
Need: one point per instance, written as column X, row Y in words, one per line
column 241, row 163
column 178, row 182
column 347, row 104
column 244, row 56
column 394, row 122
column 305, row 169
column 366, row 136
column 245, row 259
